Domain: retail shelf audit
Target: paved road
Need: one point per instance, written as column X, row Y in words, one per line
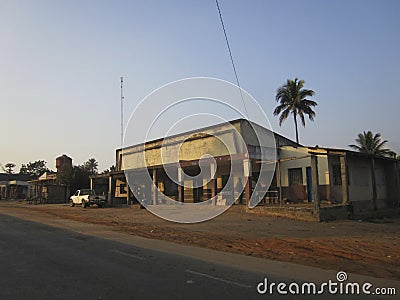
column 38, row 261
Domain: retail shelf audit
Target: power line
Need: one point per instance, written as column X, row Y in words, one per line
column 230, row 54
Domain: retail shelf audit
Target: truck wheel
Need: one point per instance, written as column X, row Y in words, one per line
column 72, row 204
column 83, row 204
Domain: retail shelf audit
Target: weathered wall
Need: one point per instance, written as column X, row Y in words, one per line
column 216, row 142
column 303, row 162
column 360, row 180
column 289, row 212
column 56, row 194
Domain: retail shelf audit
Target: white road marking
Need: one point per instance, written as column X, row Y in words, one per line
column 128, row 254
column 218, row 279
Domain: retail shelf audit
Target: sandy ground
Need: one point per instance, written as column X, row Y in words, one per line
column 363, row 247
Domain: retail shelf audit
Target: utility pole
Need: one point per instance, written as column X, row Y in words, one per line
column 122, row 112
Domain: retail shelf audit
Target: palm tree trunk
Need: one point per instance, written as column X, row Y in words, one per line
column 295, row 125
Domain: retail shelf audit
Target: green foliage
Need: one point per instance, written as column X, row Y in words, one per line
column 23, row 169
column 369, row 143
column 34, row 169
column 78, row 176
column 9, row 168
column 109, row 170
column 91, row 166
column 292, row 99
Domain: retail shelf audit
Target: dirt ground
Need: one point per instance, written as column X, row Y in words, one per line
column 363, row 247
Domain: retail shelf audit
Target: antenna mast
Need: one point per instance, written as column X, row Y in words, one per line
column 122, row 112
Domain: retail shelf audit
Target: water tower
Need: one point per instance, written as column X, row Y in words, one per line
column 63, row 163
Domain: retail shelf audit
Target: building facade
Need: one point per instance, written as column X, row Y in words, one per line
column 297, row 175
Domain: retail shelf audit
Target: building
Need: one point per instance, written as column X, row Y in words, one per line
column 311, row 178
column 13, row 186
column 358, row 181
column 48, row 188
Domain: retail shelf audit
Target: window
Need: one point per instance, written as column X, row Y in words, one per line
column 295, row 176
column 337, row 175
column 122, row 188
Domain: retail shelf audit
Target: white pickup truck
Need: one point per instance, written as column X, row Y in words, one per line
column 87, row 197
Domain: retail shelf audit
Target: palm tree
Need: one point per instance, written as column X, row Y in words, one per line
column 91, row 166
column 369, row 143
column 292, row 100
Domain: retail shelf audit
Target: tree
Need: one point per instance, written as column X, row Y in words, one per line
column 34, row 169
column 23, row 169
column 292, row 100
column 369, row 143
column 91, row 166
column 109, row 170
column 9, row 168
column 80, row 178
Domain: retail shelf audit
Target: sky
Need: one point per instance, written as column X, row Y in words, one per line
column 61, row 63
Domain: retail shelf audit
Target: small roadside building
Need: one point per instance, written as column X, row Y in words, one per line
column 13, row 186
column 358, row 181
column 48, row 188
column 323, row 181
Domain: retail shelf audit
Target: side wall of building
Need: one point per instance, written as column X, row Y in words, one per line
column 298, row 159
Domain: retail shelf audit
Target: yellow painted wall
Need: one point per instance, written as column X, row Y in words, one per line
column 185, row 148
column 299, row 152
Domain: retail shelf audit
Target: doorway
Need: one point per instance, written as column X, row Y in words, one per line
column 309, row 184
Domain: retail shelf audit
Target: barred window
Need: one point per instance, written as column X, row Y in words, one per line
column 295, row 176
column 337, row 175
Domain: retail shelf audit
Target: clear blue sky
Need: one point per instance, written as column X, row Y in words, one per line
column 60, row 64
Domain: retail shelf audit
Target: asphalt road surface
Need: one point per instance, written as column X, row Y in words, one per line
column 38, row 261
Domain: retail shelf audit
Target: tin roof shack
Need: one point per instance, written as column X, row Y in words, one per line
column 350, row 184
column 50, row 187
column 46, row 189
column 13, row 186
